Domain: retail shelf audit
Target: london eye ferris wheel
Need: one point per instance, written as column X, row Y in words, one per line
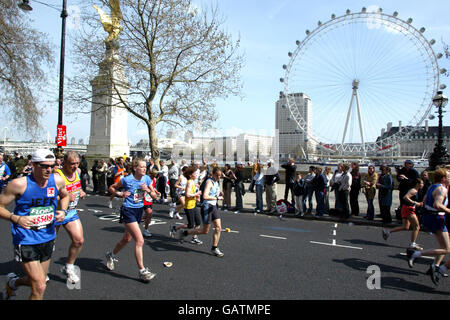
column 361, row 71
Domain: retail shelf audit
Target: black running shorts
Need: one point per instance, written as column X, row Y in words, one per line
column 193, row 217
column 38, row 252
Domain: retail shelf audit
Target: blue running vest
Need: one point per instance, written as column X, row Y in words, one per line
column 41, row 203
column 429, row 199
column 136, row 199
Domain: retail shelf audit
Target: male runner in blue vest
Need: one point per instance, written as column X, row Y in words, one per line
column 33, row 222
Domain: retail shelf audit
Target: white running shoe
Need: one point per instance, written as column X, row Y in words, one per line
column 110, row 205
column 173, row 231
column 386, row 233
column 171, row 211
column 217, row 252
column 415, row 246
column 110, row 260
column 177, row 215
column 196, row 241
column 146, row 233
column 72, row 277
column 146, row 275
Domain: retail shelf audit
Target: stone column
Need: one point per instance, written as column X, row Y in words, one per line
column 109, row 119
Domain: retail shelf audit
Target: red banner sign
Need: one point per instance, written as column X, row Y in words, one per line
column 61, row 137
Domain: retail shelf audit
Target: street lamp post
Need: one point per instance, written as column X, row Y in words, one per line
column 26, row 7
column 439, row 155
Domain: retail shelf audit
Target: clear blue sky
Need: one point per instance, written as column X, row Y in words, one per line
column 268, row 30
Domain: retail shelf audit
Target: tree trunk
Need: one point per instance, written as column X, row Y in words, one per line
column 153, row 143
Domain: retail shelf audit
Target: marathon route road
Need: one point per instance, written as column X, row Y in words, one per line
column 265, row 259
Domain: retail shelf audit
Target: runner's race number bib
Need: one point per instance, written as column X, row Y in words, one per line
column 75, row 189
column 138, row 195
column 43, row 216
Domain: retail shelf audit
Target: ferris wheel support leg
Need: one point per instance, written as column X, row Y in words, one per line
column 348, row 117
column 361, row 129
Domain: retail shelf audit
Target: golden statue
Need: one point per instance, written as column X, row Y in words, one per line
column 111, row 24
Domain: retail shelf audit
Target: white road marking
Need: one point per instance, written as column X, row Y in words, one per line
column 109, row 217
column 233, row 231
column 156, row 221
column 336, row 225
column 425, row 257
column 336, row 245
column 273, row 237
column 95, row 211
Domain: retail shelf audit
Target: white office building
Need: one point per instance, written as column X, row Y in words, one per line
column 293, row 141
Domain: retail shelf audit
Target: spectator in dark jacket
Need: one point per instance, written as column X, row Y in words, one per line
column 385, row 187
column 239, row 188
column 94, row 170
column 309, row 190
column 84, row 174
column 355, row 189
column 299, row 191
column 319, row 184
column 291, row 169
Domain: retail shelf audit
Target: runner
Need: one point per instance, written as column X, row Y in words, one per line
column 409, row 205
column 134, row 186
column 71, row 175
column 32, row 224
column 434, row 221
column 210, row 213
column 194, row 219
column 148, row 203
column 5, row 173
column 119, row 173
column 180, row 186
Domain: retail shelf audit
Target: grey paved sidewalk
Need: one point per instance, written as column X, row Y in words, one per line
column 249, row 201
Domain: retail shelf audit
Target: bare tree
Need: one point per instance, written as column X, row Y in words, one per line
column 177, row 61
column 23, row 53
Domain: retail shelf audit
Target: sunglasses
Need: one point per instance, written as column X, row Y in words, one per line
column 46, row 166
